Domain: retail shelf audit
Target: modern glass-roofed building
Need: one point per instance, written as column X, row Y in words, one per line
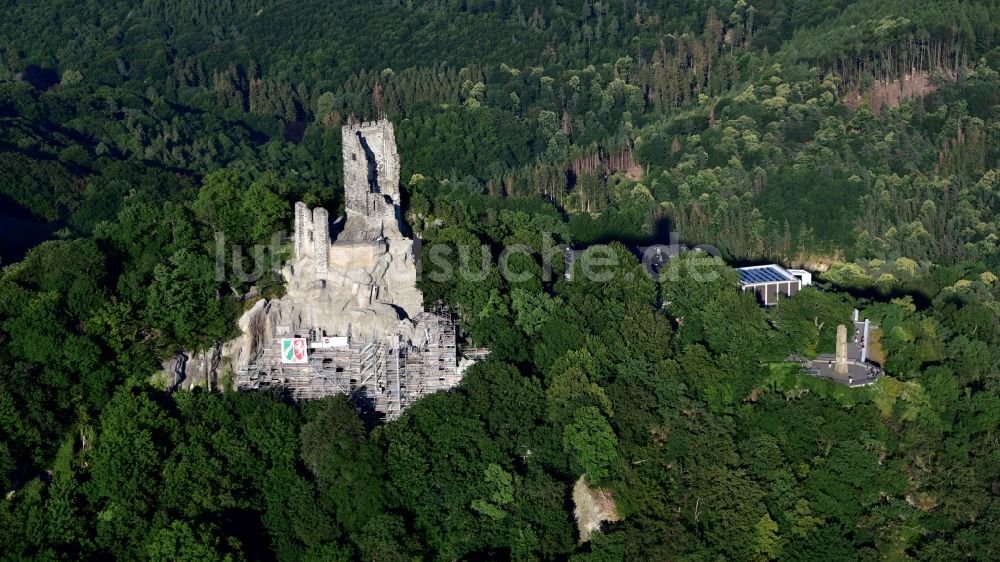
column 772, row 282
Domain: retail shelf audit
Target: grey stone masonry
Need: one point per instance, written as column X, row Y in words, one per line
column 371, row 180
column 353, row 298
column 321, row 240
column 303, row 230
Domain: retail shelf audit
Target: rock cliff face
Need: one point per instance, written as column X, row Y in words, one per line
column 369, row 292
column 592, row 507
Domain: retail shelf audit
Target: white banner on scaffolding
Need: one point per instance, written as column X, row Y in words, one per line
column 330, row 342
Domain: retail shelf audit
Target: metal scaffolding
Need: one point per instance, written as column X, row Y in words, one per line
column 387, row 373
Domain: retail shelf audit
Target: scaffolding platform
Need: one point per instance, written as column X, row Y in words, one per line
column 386, row 374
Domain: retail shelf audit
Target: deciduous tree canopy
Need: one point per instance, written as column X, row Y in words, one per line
column 859, row 138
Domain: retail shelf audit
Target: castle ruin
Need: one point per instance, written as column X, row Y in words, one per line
column 352, row 320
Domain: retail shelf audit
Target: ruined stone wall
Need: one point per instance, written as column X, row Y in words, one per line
column 320, row 241
column 371, row 179
column 355, row 172
column 303, row 230
column 371, row 162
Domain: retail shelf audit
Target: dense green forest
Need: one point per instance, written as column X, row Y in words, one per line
column 860, row 139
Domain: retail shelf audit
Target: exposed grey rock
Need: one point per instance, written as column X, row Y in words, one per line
column 358, row 291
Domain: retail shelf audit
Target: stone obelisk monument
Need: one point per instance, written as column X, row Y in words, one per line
column 840, row 367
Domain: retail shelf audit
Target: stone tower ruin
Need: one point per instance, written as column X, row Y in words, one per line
column 352, row 320
column 371, row 180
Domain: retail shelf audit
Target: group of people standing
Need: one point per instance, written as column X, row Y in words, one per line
column 870, row 376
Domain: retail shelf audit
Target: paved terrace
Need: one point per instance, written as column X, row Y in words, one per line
column 859, row 371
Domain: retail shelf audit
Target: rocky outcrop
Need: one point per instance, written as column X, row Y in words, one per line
column 592, row 507
column 352, row 319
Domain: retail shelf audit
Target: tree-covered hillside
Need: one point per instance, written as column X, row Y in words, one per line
column 858, row 138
